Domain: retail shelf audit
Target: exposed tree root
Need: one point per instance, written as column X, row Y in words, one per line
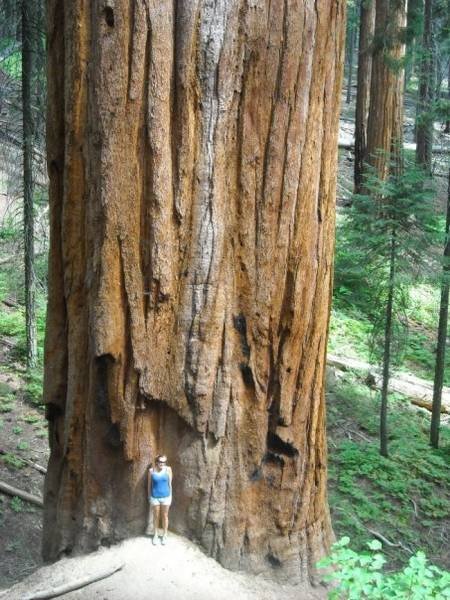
column 71, row 586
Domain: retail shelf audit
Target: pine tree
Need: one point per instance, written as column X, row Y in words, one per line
column 442, row 333
column 388, row 229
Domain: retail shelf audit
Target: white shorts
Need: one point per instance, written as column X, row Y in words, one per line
column 165, row 501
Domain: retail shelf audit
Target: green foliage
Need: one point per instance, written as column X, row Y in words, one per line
column 33, row 386
column 359, row 576
column 397, row 213
column 23, row 445
column 9, row 232
column 5, row 389
column 12, row 64
column 405, row 497
column 351, row 330
column 16, row 504
column 12, row 461
column 32, row 418
column 7, row 403
column 402, row 204
column 17, row 430
column 12, row 323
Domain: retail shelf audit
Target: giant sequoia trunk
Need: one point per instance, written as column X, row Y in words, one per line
column 385, row 119
column 192, row 159
column 366, row 32
column 425, row 119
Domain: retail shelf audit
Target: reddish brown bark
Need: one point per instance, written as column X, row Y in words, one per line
column 424, row 125
column 192, row 157
column 366, row 32
column 385, row 120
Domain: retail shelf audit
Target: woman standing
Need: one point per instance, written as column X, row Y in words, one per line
column 160, row 496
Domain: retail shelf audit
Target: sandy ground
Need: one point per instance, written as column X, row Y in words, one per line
column 178, row 570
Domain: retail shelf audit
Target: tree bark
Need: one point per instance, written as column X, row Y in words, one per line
column 28, row 214
column 424, row 126
column 366, row 32
column 350, row 52
column 442, row 334
column 414, row 29
column 192, row 158
column 385, row 120
column 387, row 347
column 447, row 123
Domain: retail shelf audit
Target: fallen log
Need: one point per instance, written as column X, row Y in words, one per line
column 428, row 405
column 74, row 585
column 436, row 149
column 12, row 491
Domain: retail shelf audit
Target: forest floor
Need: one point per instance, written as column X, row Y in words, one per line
column 178, row 570
column 23, row 437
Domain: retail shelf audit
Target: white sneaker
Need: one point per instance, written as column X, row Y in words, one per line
column 155, row 540
column 163, row 540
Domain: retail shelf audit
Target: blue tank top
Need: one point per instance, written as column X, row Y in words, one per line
column 160, row 484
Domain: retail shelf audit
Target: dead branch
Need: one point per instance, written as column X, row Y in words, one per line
column 415, row 506
column 29, row 462
column 12, row 491
column 388, row 542
column 74, row 585
column 39, row 468
column 361, row 435
column 5, row 301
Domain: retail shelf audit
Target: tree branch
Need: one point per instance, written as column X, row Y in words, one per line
column 12, row 491
column 75, row 585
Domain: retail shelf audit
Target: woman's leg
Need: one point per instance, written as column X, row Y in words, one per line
column 165, row 518
column 156, row 512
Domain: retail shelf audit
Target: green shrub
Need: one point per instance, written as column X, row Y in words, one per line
column 359, row 576
column 7, row 404
column 12, row 461
column 16, row 504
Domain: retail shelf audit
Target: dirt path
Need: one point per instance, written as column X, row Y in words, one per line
column 177, row 571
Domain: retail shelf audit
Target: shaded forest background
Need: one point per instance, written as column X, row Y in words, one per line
column 388, row 321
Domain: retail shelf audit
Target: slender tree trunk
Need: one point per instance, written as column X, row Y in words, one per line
column 192, row 160
column 366, row 32
column 447, row 123
column 384, row 129
column 424, row 126
column 414, row 29
column 28, row 216
column 350, row 53
column 387, row 349
column 442, row 334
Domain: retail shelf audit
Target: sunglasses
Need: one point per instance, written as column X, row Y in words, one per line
column 161, row 462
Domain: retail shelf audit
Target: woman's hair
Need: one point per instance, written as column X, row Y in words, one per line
column 161, row 457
